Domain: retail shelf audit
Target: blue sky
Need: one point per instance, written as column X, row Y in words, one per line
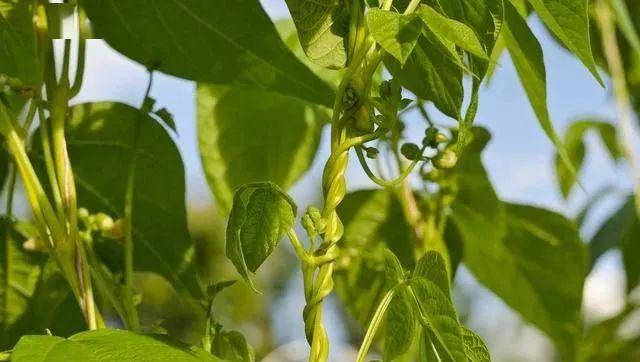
column 519, row 159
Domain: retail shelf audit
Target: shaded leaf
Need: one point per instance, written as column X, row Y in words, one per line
column 322, row 29
column 441, row 320
column 621, row 230
column 106, row 344
column 432, row 75
column 18, row 46
column 251, row 135
column 374, row 222
column 187, row 39
column 232, row 346
column 19, row 274
column 102, row 139
column 401, row 325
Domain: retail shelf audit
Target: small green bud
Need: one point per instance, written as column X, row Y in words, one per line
column 385, row 89
column 362, row 121
column 372, row 152
column 83, row 213
column 104, row 222
column 441, row 138
column 116, row 231
column 432, row 175
column 445, row 160
column 411, row 151
column 430, row 135
column 14, row 83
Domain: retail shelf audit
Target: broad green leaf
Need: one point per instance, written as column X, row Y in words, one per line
column 252, row 135
column 19, row 273
column 287, row 30
column 622, row 231
column 441, row 320
column 236, row 44
column 433, row 267
column 18, row 46
column 569, row 21
column 106, row 345
column 526, row 54
column 531, row 258
column 401, row 326
column 260, row 216
column 474, row 346
column 574, row 143
column 432, row 75
column 232, row 346
column 396, row 33
column 102, row 143
column 485, row 17
column 452, row 30
column 322, row 28
column 374, row 222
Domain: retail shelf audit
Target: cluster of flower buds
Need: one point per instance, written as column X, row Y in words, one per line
column 102, row 223
column 313, row 222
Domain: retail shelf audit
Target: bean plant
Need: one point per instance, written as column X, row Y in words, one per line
column 105, row 181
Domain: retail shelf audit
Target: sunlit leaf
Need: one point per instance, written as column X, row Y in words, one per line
column 396, row 33
column 251, row 135
column 188, row 39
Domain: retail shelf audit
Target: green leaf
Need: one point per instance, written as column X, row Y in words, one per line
column 526, row 54
column 19, row 274
column 441, row 320
column 51, row 306
column 401, row 324
column 536, row 265
column 396, row 33
column 232, row 346
column 322, row 28
column 18, row 47
column 102, row 142
column 106, row 344
column 621, row 230
column 452, row 30
column 261, row 214
column 186, row 38
column 574, row 143
column 374, row 222
column 569, row 21
column 433, row 267
column 531, row 258
column 252, row 135
column 432, row 75
column 474, row 346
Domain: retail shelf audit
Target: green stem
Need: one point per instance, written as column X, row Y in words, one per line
column 8, row 243
column 376, row 321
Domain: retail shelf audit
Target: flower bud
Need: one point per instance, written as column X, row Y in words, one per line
column 116, row 231
column 385, row 89
column 411, row 151
column 372, row 152
column 445, row 160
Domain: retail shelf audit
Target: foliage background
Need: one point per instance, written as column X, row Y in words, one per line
column 521, row 169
